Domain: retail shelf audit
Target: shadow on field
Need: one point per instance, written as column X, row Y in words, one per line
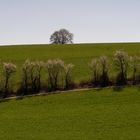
column 139, row 87
column 118, row 89
column 99, row 89
column 20, row 98
column 4, row 100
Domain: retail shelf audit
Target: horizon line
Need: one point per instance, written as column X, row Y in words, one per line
column 113, row 42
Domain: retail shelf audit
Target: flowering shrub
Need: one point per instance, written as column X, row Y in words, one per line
column 94, row 67
column 31, row 79
column 26, row 75
column 135, row 64
column 104, row 77
column 38, row 66
column 8, row 70
column 54, row 68
column 121, row 61
column 68, row 75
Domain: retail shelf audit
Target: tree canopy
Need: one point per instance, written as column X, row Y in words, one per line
column 61, row 36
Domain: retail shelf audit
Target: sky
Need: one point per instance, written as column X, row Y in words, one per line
column 91, row 21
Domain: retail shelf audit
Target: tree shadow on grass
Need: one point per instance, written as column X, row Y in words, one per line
column 138, row 87
column 20, row 98
column 99, row 89
column 118, row 88
column 4, row 100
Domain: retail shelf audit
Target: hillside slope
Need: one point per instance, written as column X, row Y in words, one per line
column 104, row 114
column 78, row 54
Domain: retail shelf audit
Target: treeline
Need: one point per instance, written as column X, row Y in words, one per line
column 60, row 75
column 123, row 65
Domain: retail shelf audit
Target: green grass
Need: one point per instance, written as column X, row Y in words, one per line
column 80, row 55
column 104, row 114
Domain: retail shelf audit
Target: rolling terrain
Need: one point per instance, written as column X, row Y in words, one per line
column 78, row 54
column 105, row 114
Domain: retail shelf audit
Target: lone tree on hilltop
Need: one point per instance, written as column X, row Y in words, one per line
column 62, row 36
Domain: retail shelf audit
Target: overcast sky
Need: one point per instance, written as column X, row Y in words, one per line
column 32, row 21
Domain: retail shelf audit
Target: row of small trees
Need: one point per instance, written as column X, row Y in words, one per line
column 123, row 64
column 59, row 74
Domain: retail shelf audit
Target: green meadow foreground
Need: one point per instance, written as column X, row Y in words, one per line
column 104, row 114
column 78, row 54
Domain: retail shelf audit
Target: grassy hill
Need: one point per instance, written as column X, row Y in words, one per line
column 78, row 54
column 104, row 114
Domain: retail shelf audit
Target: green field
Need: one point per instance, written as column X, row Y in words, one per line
column 80, row 54
column 104, row 114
